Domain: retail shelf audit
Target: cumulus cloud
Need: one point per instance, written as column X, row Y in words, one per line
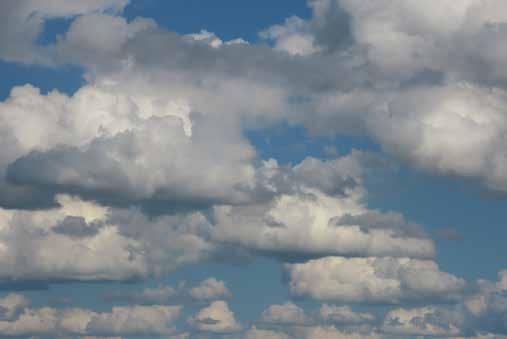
column 286, row 314
column 156, row 138
column 291, row 315
column 432, row 74
column 126, row 136
column 209, row 289
column 373, row 280
column 255, row 333
column 384, row 57
column 344, row 315
column 121, row 321
column 216, row 318
column 11, row 306
column 23, row 21
column 45, row 246
column 322, row 214
column 482, row 312
column 312, row 332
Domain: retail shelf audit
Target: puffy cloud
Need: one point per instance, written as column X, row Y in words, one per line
column 41, row 246
column 344, row 315
column 286, row 314
column 209, row 289
column 11, row 305
column 23, row 21
column 332, row 332
column 216, row 318
column 291, row 315
column 46, row 321
column 421, row 321
column 290, row 37
column 312, row 332
column 95, row 38
column 383, row 57
column 429, row 121
column 155, row 320
column 432, row 77
column 373, row 280
column 317, row 213
column 479, row 314
column 255, row 333
column 126, row 135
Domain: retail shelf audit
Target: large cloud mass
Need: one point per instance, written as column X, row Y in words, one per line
column 148, row 166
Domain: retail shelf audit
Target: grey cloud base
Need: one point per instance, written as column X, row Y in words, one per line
column 147, row 168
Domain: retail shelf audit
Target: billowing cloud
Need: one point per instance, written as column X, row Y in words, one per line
column 373, row 280
column 11, row 305
column 216, row 318
column 255, row 333
column 481, row 312
column 210, row 289
column 286, row 314
column 344, row 315
column 57, row 244
column 322, row 215
column 127, row 136
column 121, row 321
column 23, row 21
column 147, row 167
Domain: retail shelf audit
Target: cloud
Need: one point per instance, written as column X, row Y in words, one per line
column 344, row 315
column 206, row 290
column 255, row 333
column 216, row 318
column 286, row 314
column 40, row 246
column 481, row 312
column 451, row 61
column 126, row 135
column 21, row 320
column 290, row 314
column 11, row 306
column 135, row 320
column 318, row 212
column 23, row 21
column 373, row 280
column 210, row 289
column 316, row 200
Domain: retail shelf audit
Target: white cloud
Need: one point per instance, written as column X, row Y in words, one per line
column 135, row 320
column 420, row 321
column 320, row 214
column 291, row 37
column 373, row 280
column 478, row 314
column 156, row 320
column 210, row 289
column 21, row 22
column 286, row 314
column 255, row 333
column 126, row 135
column 216, row 318
column 125, row 244
column 344, row 315
column 11, row 305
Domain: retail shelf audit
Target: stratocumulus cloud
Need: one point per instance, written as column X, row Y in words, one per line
column 185, row 155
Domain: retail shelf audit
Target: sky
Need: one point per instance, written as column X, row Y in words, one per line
column 299, row 169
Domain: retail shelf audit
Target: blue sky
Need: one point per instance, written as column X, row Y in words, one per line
column 194, row 197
